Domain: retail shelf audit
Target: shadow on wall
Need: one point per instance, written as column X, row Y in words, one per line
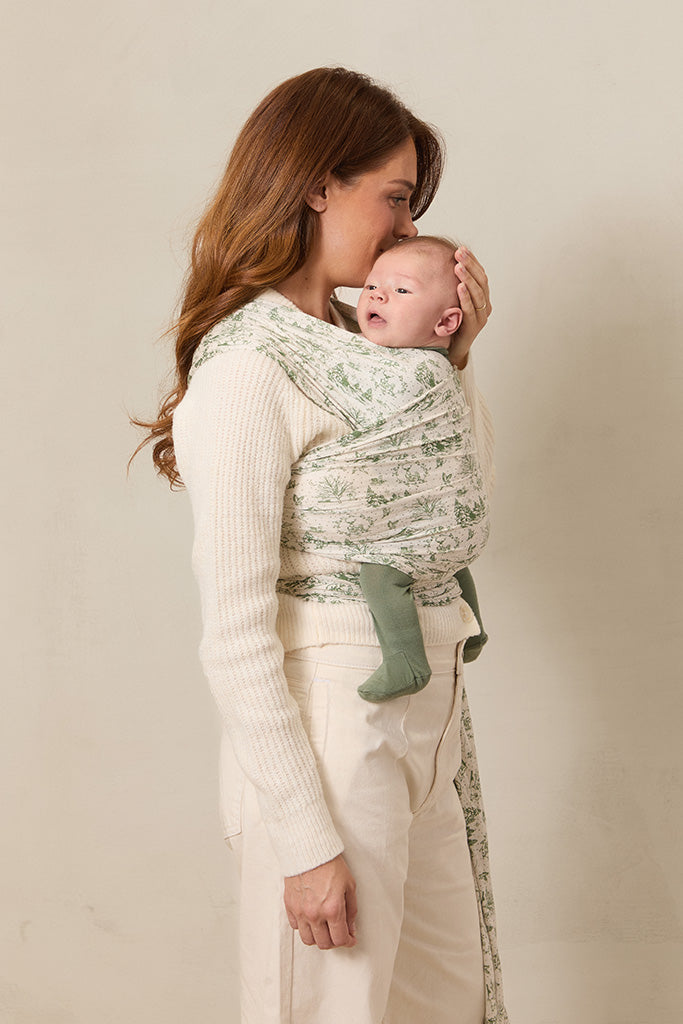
column 589, row 498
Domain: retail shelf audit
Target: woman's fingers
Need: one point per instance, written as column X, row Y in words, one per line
column 351, row 911
column 342, row 927
column 323, row 939
column 475, row 300
column 467, row 256
column 291, row 917
column 306, row 933
column 469, row 262
column 474, row 285
column 473, row 303
column 325, row 934
column 321, row 904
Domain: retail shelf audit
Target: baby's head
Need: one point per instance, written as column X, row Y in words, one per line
column 410, row 297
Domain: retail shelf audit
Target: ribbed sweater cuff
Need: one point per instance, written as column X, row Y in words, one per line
column 305, row 840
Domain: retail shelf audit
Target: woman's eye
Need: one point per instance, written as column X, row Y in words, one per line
column 399, row 199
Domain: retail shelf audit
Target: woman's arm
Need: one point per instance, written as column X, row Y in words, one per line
column 482, row 425
column 233, row 437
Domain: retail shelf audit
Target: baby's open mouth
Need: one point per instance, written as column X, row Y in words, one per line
column 376, row 318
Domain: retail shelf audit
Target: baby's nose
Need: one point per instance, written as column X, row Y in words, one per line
column 378, row 295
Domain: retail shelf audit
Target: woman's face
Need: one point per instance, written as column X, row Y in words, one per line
column 359, row 222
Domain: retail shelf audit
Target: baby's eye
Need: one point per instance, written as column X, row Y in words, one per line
column 403, row 291
column 370, row 287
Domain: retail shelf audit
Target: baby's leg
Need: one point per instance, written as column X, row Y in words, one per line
column 404, row 668
column 473, row 644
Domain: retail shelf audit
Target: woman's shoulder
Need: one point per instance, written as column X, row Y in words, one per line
column 241, row 393
column 233, row 333
column 274, row 327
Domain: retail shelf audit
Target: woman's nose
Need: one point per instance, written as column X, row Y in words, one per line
column 404, row 227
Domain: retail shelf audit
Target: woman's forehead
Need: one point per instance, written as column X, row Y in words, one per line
column 400, row 168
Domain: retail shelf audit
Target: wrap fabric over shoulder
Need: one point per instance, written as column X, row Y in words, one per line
column 402, row 487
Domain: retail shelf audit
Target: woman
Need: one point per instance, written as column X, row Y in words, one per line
column 343, row 815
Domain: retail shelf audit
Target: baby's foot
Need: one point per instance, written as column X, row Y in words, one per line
column 395, row 677
column 473, row 646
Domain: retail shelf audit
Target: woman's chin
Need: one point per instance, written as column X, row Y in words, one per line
column 357, row 280
column 355, row 277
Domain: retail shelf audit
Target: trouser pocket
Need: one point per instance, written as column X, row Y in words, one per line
column 231, row 785
column 309, row 686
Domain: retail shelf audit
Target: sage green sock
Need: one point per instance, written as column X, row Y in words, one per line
column 404, row 669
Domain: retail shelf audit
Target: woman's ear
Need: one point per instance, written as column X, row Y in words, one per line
column 449, row 322
column 317, row 197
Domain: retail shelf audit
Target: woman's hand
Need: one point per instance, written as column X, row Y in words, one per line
column 473, row 292
column 321, row 904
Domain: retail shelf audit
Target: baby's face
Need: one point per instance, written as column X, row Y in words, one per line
column 404, row 299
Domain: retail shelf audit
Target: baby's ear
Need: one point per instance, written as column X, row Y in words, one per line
column 449, row 322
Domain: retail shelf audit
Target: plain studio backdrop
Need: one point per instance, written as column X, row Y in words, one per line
column 565, row 152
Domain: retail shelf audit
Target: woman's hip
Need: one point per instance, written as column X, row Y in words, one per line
column 406, row 749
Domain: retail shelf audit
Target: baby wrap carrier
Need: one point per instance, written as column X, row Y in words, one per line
column 402, row 487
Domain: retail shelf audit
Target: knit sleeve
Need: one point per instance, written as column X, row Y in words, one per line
column 234, row 437
column 482, row 423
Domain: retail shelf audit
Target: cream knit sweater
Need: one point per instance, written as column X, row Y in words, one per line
column 237, row 431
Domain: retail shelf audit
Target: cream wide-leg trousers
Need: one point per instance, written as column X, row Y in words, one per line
column 387, row 771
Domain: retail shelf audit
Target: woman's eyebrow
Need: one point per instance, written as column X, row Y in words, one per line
column 402, row 181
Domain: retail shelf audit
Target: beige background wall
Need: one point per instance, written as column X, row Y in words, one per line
column 564, row 128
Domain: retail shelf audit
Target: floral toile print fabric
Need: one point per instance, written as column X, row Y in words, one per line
column 403, row 487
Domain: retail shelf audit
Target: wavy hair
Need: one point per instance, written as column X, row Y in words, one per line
column 258, row 228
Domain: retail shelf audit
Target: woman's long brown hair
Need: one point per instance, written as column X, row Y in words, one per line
column 258, row 228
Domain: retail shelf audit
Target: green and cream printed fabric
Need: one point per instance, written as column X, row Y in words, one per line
column 403, row 487
column 468, row 785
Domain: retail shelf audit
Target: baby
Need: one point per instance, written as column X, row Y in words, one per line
column 409, row 300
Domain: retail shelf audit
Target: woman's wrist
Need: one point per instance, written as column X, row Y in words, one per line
column 459, row 355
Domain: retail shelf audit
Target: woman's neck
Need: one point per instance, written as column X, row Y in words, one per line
column 309, row 290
